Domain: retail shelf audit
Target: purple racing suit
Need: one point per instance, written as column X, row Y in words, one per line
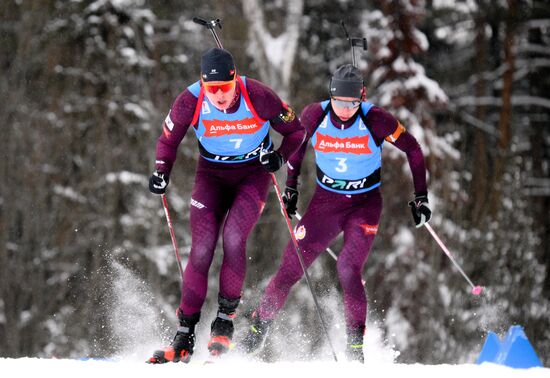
column 228, row 196
column 330, row 212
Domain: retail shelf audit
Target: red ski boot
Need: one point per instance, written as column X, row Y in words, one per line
column 181, row 348
column 222, row 327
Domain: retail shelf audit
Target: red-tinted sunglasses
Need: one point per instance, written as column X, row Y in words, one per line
column 224, row 86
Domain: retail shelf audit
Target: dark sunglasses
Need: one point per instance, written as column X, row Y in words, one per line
column 346, row 104
column 225, row 86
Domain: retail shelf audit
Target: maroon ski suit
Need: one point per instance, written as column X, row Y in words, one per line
column 231, row 195
column 330, row 213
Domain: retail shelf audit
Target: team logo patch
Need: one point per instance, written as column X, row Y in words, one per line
column 287, row 115
column 216, row 127
column 370, row 229
column 356, row 145
column 300, row 233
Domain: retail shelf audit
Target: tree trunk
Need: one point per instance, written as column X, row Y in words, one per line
column 274, row 55
column 505, row 119
column 480, row 186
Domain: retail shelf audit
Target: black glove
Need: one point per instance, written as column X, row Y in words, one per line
column 290, row 199
column 272, row 161
column 158, row 182
column 420, row 210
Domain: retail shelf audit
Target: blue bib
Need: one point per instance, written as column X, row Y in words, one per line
column 348, row 160
column 229, row 138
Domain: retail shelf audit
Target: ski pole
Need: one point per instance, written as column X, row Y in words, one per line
column 476, row 289
column 172, row 233
column 211, row 25
column 300, row 258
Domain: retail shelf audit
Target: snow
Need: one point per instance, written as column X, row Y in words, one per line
column 467, row 6
column 137, row 110
column 418, row 80
column 119, row 4
column 134, row 308
column 497, row 101
column 277, row 53
column 59, row 368
column 125, row 177
column 421, row 39
column 2, row 316
column 398, row 327
column 460, row 33
column 161, row 256
column 133, row 58
column 69, row 193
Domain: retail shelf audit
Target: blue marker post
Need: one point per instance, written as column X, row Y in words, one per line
column 514, row 351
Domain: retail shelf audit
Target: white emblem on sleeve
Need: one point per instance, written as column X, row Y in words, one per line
column 168, row 122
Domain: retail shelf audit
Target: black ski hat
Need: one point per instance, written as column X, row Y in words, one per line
column 217, row 65
column 347, row 81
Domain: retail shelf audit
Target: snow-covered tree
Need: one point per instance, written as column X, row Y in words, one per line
column 484, row 53
column 274, row 50
column 85, row 255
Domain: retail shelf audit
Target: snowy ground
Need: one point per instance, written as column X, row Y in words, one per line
column 133, row 308
column 44, row 368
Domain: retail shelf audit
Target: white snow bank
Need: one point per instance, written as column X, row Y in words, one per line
column 43, row 368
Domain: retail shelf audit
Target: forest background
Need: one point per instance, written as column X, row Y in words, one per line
column 86, row 85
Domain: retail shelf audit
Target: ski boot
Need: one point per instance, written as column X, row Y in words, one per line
column 221, row 331
column 181, row 348
column 354, row 347
column 257, row 334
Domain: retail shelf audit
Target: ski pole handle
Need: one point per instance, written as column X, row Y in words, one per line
column 285, row 214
